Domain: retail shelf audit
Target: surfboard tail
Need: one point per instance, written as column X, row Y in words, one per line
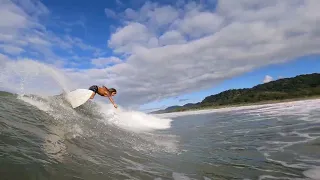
column 78, row 97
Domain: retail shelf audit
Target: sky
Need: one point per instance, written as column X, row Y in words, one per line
column 155, row 53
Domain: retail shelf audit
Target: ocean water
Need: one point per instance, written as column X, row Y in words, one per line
column 42, row 137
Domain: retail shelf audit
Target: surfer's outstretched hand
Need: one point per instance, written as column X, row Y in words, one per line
column 115, row 106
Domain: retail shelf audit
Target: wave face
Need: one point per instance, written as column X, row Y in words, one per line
column 44, row 138
column 50, row 137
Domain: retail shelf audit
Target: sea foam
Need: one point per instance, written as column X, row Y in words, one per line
column 133, row 120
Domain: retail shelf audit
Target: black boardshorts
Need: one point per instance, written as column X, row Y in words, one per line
column 94, row 88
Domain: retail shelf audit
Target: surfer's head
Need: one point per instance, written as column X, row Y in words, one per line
column 112, row 91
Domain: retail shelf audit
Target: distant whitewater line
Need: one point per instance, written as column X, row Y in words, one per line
column 311, row 103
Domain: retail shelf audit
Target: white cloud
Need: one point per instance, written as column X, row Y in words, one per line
column 126, row 38
column 201, row 48
column 11, row 17
column 200, row 23
column 21, row 14
column 267, row 79
column 36, row 40
column 9, row 49
column 3, row 59
column 20, row 27
column 103, row 62
column 6, row 37
column 33, row 8
column 172, row 37
column 153, row 15
column 21, row 30
column 163, row 15
column 130, row 13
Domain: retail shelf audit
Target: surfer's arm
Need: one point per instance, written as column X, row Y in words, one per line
column 111, row 100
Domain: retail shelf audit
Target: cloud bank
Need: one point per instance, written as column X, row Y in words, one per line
column 162, row 51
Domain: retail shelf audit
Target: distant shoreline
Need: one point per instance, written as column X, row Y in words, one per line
column 246, row 104
column 301, row 87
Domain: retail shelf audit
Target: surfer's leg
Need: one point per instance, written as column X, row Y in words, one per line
column 92, row 96
column 94, row 89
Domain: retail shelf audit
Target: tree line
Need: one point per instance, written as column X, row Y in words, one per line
column 301, row 86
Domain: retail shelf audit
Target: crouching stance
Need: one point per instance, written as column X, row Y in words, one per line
column 104, row 91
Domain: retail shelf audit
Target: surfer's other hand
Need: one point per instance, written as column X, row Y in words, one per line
column 115, row 106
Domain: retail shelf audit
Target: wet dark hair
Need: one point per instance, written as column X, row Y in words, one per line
column 111, row 90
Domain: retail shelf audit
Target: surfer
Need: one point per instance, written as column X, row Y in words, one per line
column 104, row 91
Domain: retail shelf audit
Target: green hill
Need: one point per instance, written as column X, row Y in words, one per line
column 302, row 86
column 4, row 93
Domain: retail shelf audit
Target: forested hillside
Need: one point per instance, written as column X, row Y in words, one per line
column 301, row 86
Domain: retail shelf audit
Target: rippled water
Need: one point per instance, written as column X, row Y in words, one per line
column 44, row 138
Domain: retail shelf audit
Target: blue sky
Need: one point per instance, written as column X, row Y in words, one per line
column 156, row 53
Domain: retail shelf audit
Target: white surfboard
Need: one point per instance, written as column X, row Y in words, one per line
column 78, row 97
